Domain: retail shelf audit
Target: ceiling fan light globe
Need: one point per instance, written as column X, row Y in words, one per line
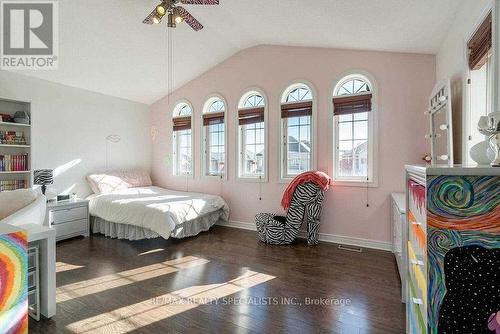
column 179, row 19
column 161, row 10
column 156, row 19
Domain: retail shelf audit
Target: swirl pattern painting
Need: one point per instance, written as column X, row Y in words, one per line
column 13, row 284
column 463, row 238
column 464, row 203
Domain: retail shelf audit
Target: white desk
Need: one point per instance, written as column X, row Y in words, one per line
column 46, row 238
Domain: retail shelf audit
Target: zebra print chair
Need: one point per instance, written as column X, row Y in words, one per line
column 279, row 230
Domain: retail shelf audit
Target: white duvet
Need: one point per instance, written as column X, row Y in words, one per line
column 155, row 208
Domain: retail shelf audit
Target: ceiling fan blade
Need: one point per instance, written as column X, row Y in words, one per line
column 190, row 20
column 200, row 2
column 149, row 18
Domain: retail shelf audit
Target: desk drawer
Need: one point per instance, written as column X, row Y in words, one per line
column 417, row 202
column 67, row 215
column 73, row 227
column 416, row 268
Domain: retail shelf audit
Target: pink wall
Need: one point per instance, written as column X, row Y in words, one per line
column 404, row 83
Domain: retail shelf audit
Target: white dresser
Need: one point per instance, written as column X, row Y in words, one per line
column 69, row 218
column 398, row 207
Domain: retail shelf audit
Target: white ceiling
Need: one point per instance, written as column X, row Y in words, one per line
column 104, row 47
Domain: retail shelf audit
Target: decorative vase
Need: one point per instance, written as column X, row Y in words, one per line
column 482, row 153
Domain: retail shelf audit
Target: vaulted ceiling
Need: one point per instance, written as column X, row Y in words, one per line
column 105, row 48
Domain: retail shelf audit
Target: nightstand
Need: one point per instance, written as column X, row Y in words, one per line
column 69, row 218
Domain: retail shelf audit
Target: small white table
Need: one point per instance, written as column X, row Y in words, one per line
column 69, row 218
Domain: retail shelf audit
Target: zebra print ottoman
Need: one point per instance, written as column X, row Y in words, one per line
column 280, row 230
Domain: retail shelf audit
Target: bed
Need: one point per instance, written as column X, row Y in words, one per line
column 149, row 212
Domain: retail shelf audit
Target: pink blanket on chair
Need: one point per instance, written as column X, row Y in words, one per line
column 320, row 178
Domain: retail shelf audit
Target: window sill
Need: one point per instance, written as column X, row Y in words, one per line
column 189, row 176
column 214, row 177
column 251, row 179
column 354, row 183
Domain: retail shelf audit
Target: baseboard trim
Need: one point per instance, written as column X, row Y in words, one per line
column 325, row 237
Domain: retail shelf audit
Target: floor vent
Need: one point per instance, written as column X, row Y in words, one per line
column 351, row 248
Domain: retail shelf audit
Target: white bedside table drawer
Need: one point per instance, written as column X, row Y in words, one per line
column 75, row 227
column 69, row 218
column 67, row 215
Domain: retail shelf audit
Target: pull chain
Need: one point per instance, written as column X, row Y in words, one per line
column 221, row 190
column 170, row 60
column 367, row 199
column 367, row 180
column 260, row 187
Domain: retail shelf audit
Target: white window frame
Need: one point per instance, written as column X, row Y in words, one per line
column 372, row 134
column 239, row 168
column 493, row 80
column 496, row 54
column 204, row 140
column 283, row 130
column 175, row 142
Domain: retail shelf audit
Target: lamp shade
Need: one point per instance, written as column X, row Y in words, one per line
column 43, row 177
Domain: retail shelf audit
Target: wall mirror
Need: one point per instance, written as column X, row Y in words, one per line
column 441, row 129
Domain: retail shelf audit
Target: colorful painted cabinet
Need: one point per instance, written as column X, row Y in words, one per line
column 453, row 247
column 13, row 280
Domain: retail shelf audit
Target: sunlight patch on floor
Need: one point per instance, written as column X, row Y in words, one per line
column 103, row 283
column 132, row 317
column 151, row 251
column 63, row 266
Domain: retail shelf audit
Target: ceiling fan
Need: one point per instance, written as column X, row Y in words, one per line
column 177, row 14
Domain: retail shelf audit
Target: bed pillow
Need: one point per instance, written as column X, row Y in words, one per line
column 103, row 183
column 13, row 201
column 137, row 178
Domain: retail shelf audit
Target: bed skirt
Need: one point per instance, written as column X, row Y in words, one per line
column 133, row 232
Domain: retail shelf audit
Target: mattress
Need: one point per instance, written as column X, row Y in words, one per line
column 153, row 209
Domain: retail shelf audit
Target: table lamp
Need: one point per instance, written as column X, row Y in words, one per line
column 43, row 177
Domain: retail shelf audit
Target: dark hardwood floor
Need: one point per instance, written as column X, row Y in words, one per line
column 222, row 281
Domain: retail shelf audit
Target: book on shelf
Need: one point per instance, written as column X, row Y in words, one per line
column 7, row 185
column 12, row 138
column 14, row 163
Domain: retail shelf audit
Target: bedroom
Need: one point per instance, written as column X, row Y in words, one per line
column 170, row 141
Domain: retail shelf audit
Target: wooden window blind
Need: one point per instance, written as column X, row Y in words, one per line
column 251, row 116
column 296, row 109
column 352, row 104
column 213, row 118
column 182, row 123
column 480, row 45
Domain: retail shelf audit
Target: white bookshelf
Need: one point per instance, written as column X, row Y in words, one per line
column 9, row 107
column 13, row 145
column 16, row 172
column 15, row 125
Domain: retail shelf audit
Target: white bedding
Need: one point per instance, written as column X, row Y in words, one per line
column 155, row 208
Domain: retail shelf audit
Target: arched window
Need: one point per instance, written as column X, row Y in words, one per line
column 214, row 137
column 353, row 110
column 296, row 130
column 252, row 152
column 182, row 139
